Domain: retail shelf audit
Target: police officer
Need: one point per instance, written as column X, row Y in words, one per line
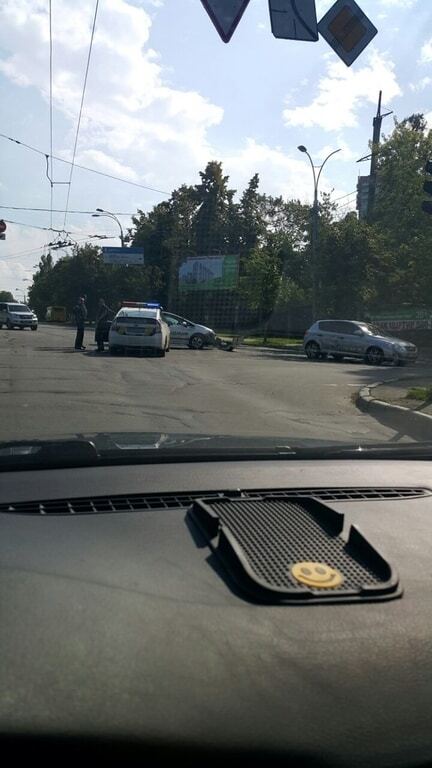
column 103, row 315
column 80, row 313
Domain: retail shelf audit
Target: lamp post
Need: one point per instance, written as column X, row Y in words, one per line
column 315, row 221
column 102, row 212
column 26, row 280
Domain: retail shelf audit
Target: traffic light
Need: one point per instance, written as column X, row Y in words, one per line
column 427, row 187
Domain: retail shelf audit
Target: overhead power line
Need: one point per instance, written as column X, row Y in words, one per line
column 12, row 256
column 57, row 210
column 49, row 229
column 342, row 197
column 85, row 168
column 81, row 110
column 32, row 226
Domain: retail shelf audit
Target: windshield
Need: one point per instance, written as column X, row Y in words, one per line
column 136, row 319
column 18, row 308
column 373, row 330
column 262, row 169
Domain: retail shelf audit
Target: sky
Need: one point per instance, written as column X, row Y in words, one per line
column 165, row 95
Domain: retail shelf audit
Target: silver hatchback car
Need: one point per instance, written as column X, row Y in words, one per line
column 350, row 338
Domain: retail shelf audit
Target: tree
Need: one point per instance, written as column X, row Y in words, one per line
column 397, row 212
column 167, row 235
column 262, row 283
column 84, row 273
column 6, row 296
column 349, row 267
column 250, row 224
column 216, row 221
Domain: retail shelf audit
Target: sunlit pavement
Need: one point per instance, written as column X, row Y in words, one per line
column 47, row 389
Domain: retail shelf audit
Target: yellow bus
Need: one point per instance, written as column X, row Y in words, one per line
column 56, row 314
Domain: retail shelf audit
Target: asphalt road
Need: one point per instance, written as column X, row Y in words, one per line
column 48, row 389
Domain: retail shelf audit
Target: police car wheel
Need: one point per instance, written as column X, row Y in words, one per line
column 8, row 325
column 113, row 350
column 34, row 327
column 160, row 353
column 197, row 341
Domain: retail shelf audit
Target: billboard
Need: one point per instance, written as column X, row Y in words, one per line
column 127, row 256
column 403, row 319
column 209, row 273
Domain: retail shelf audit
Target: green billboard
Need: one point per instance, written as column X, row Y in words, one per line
column 209, row 273
column 405, row 319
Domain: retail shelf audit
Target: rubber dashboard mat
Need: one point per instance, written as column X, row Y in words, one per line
column 290, row 550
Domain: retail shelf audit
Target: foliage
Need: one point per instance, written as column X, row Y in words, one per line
column 407, row 231
column 360, row 266
column 6, row 296
column 84, row 274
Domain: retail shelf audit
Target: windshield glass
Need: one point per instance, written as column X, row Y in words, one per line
column 18, row 308
column 373, row 330
column 231, row 164
column 136, row 320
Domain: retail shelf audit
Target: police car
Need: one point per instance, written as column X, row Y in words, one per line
column 139, row 326
column 186, row 333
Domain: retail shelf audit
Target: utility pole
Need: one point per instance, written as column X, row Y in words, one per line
column 376, row 139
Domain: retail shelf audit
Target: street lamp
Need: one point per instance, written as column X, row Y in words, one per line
column 102, row 212
column 315, row 220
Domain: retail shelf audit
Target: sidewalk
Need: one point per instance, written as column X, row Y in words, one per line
column 396, row 393
column 389, row 404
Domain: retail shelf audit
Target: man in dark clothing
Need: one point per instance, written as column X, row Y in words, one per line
column 80, row 313
column 103, row 315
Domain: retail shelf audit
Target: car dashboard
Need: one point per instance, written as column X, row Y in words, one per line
column 123, row 635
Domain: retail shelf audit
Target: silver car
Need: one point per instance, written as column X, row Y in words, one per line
column 14, row 315
column 350, row 338
column 186, row 333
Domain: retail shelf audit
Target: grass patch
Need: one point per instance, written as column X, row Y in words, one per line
column 280, row 342
column 272, row 341
column 420, row 393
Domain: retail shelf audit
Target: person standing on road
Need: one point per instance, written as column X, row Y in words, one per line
column 104, row 313
column 80, row 313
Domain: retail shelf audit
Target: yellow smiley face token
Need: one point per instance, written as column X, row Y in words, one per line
column 318, row 575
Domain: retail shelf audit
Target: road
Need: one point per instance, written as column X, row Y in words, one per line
column 47, row 389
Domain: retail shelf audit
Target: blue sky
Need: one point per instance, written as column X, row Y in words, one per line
column 165, row 95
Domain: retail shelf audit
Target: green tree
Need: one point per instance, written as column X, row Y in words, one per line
column 167, row 235
column 349, row 267
column 407, row 266
column 262, row 284
column 6, row 296
column 83, row 273
column 216, row 223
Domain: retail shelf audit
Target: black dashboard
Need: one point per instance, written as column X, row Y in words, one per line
column 122, row 636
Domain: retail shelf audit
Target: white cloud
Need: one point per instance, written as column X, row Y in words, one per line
column 426, row 52
column 279, row 172
column 342, row 93
column 100, row 161
column 421, row 84
column 132, row 116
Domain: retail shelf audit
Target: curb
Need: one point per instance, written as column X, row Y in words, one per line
column 298, row 355
column 406, row 421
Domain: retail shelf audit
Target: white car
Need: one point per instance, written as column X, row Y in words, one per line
column 139, row 327
column 14, row 315
column 186, row 333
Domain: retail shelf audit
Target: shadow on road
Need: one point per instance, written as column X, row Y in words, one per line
column 66, row 350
